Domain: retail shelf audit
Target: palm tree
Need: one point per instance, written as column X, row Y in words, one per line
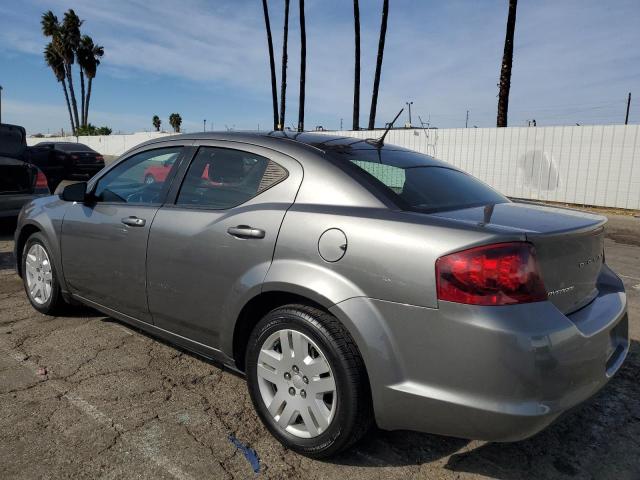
column 507, row 61
column 303, row 67
column 156, row 122
column 175, row 120
column 56, row 63
column 376, row 79
column 272, row 65
column 356, row 75
column 283, row 79
column 70, row 41
column 89, row 56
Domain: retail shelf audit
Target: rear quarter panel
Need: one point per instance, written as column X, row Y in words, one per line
column 390, row 254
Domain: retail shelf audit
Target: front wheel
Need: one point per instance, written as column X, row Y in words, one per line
column 39, row 276
column 307, row 381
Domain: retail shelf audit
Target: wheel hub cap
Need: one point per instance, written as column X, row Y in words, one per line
column 296, row 383
column 38, row 274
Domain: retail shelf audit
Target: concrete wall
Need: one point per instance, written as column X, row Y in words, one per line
column 589, row 165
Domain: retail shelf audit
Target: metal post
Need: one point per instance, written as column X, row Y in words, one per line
column 340, row 124
column 409, row 105
column 0, row 103
column 626, row 118
column 466, row 122
column 204, row 125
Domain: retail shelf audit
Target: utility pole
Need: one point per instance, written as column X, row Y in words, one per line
column 340, row 124
column 466, row 122
column 409, row 105
column 626, row 118
column 204, row 125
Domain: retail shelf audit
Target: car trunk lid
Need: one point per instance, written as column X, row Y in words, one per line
column 569, row 245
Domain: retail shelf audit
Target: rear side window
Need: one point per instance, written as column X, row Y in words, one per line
column 417, row 182
column 221, row 178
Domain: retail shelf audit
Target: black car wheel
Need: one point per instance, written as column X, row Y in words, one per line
column 307, row 381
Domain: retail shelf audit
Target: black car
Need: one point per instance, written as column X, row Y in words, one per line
column 20, row 181
column 65, row 161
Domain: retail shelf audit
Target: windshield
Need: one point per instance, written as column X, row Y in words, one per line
column 419, row 182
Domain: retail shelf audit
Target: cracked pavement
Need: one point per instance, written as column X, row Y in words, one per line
column 85, row 396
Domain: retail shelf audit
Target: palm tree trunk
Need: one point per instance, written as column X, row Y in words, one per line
column 283, row 79
column 86, row 103
column 376, row 79
column 507, row 61
column 303, row 67
column 84, row 121
column 66, row 97
column 74, row 104
column 272, row 65
column 356, row 75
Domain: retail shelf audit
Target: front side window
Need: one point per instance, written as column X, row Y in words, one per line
column 141, row 178
column 221, row 178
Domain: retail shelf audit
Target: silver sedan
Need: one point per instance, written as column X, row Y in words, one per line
column 352, row 282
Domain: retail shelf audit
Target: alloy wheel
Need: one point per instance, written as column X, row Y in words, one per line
column 39, row 274
column 296, row 383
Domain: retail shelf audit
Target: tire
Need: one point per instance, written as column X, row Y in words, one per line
column 322, row 338
column 51, row 303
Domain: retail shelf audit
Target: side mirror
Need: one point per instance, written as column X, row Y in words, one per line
column 76, row 192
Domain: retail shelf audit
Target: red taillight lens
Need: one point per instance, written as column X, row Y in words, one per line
column 99, row 158
column 41, row 182
column 499, row 274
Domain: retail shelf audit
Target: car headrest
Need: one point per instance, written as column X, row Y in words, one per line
column 226, row 168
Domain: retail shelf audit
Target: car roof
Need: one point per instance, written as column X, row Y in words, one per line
column 289, row 142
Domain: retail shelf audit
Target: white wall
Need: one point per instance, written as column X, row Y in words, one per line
column 105, row 144
column 590, row 165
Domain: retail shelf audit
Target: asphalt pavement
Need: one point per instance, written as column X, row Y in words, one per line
column 85, row 396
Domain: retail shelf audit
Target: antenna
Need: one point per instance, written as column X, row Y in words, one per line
column 380, row 141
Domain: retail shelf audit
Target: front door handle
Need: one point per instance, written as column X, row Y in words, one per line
column 134, row 221
column 245, row 231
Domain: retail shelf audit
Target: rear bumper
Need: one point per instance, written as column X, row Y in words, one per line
column 84, row 171
column 491, row 373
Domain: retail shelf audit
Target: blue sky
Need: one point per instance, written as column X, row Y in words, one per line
column 575, row 61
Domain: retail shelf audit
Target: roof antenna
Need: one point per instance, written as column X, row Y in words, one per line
column 380, row 141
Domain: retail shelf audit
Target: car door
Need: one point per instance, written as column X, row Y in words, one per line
column 212, row 247
column 104, row 241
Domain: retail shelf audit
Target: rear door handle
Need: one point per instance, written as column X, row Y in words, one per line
column 245, row 231
column 134, row 221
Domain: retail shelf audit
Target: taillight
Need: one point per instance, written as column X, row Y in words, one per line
column 498, row 274
column 99, row 158
column 41, row 185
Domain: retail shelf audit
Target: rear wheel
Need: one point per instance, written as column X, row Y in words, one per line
column 307, row 381
column 39, row 276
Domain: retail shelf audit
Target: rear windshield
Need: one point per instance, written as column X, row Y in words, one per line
column 418, row 182
column 73, row 147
